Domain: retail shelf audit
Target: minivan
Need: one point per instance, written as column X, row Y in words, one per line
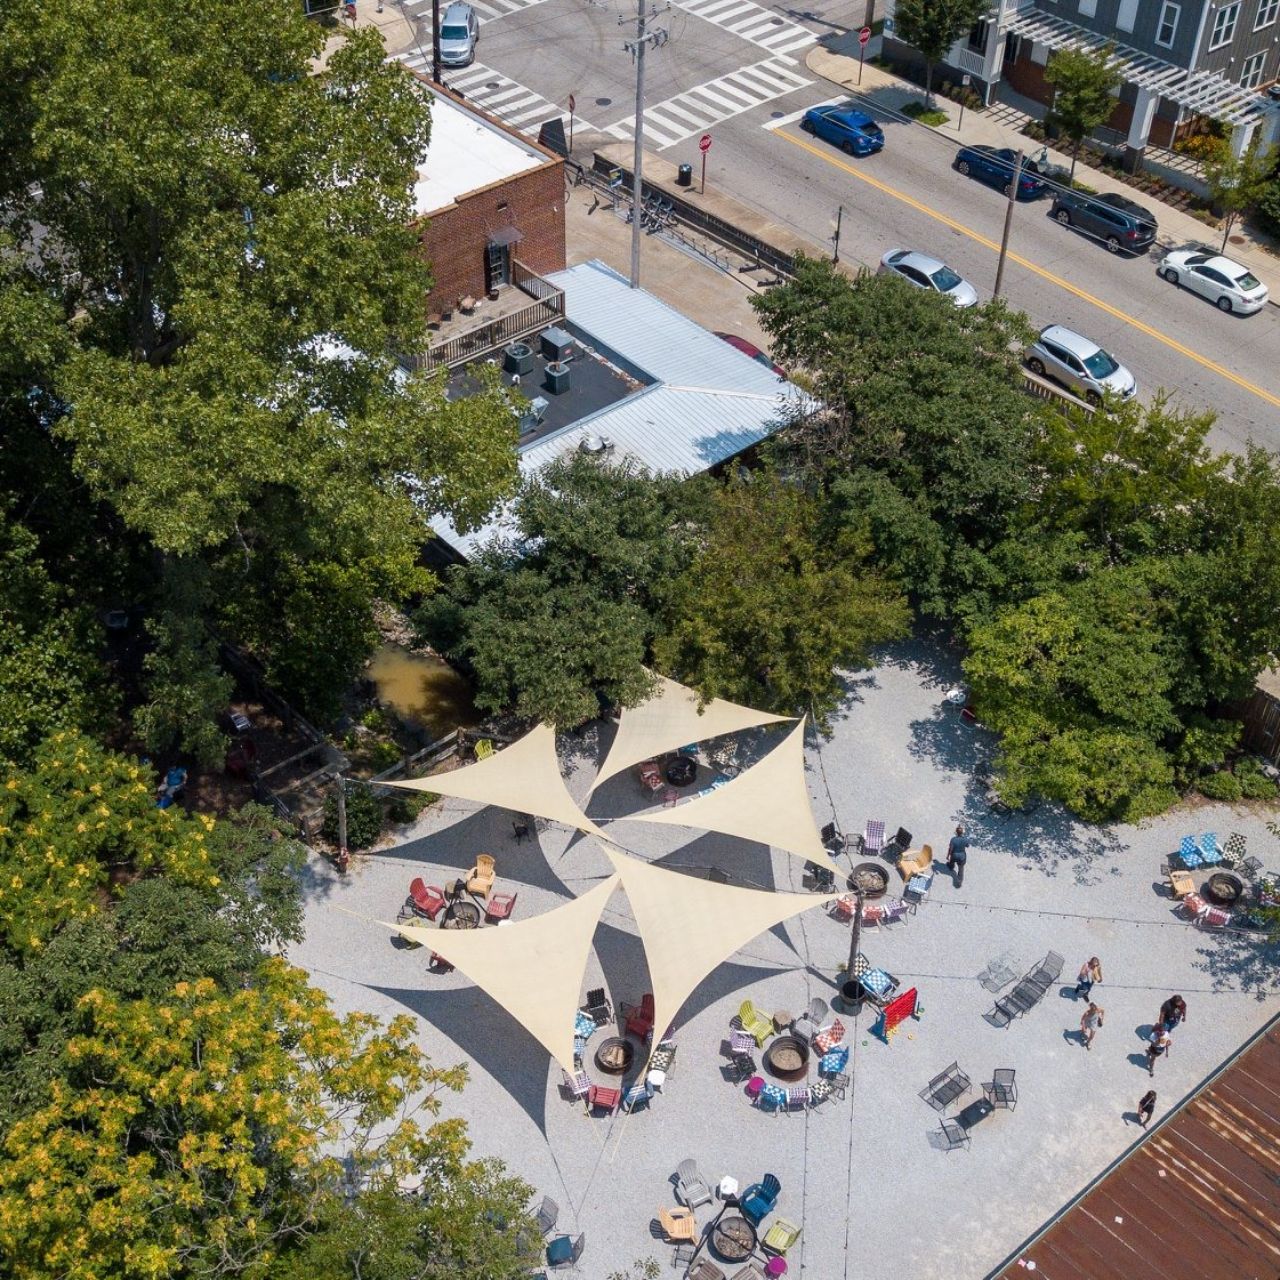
column 1120, row 223
column 459, row 31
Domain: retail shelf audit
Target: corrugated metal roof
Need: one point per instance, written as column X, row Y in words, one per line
column 708, row 402
column 1197, row 1199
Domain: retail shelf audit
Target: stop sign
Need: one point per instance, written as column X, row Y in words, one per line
column 704, row 143
column 864, row 35
column 573, row 103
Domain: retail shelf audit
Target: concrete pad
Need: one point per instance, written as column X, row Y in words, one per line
column 865, row 1177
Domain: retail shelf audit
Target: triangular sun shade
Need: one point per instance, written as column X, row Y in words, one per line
column 671, row 719
column 533, row 968
column 690, row 926
column 768, row 802
column 524, row 777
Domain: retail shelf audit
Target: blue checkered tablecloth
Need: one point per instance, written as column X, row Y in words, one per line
column 876, row 981
column 584, row 1026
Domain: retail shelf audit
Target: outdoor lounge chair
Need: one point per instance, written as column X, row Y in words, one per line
column 754, row 1023
column 812, row 1020
column 1048, row 971
column 639, row 1018
column 946, row 1087
column 602, row 1098
column 780, row 1237
column 424, row 899
column 843, row 907
column 773, row 1097
column 564, row 1251
column 480, row 877
column 548, row 1215
column 1210, row 854
column 742, row 1066
column 1214, row 918
column 598, row 1008
column 636, row 1096
column 829, row 1037
column 797, row 1097
column 917, row 889
column 500, row 906
column 1233, row 855
column 691, row 1186
column 650, row 776
column 1194, row 905
column 954, row 1135
column 678, row 1224
column 833, row 838
column 873, row 836
column 577, row 1085
column 900, row 843
column 750, row 1272
column 834, row 1061
column 915, row 861
column 758, row 1200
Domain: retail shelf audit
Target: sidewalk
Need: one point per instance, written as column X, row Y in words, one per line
column 887, row 91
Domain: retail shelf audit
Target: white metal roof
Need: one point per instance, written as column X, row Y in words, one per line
column 466, row 152
column 708, row 402
column 1205, row 92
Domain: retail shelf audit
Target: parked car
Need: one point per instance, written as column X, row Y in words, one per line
column 853, row 131
column 995, row 166
column 928, row 273
column 1120, row 223
column 1080, row 364
column 459, row 31
column 750, row 349
column 1227, row 284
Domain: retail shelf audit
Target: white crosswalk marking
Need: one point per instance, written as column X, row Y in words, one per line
column 752, row 22
column 486, row 10
column 491, row 91
column 666, row 123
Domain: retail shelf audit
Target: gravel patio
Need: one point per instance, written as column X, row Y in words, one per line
column 867, row 1177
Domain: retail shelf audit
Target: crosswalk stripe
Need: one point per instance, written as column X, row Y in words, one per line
column 725, row 85
column 751, row 21
column 695, row 118
column 798, row 43
column 752, row 28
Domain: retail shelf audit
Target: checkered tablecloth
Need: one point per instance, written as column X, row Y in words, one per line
column 584, row 1026
column 775, row 1095
column 831, row 1063
column 876, row 981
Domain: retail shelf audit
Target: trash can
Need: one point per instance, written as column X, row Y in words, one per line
column 684, row 176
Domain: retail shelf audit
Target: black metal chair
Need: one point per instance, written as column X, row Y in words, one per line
column 1047, row 972
column 900, row 843
column 954, row 1134
column 523, row 827
column 1002, row 1090
column 742, row 1066
column 819, row 878
column 598, row 1008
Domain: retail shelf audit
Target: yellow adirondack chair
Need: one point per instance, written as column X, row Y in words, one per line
column 480, row 881
column 755, row 1023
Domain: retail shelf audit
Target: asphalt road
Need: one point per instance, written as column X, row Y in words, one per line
column 736, row 69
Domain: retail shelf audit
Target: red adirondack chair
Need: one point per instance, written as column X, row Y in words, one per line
column 425, row 899
column 500, row 907
column 640, row 1017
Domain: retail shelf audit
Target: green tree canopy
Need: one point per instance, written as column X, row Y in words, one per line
column 227, row 234
column 1238, row 182
column 775, row 603
column 560, row 613
column 1084, row 85
column 933, row 26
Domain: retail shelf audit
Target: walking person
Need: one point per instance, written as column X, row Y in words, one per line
column 1090, row 972
column 1146, row 1106
column 1090, row 1023
column 957, row 856
column 1161, row 1043
column 1172, row 1012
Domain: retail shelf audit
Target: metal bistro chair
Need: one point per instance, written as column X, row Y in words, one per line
column 1002, row 1090
column 548, row 1215
column 954, row 1135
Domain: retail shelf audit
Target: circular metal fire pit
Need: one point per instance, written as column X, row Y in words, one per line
column 733, row 1238
column 1224, row 888
column 615, row 1055
column 871, row 878
column 787, row 1058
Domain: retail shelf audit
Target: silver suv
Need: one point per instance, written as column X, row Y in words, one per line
column 1079, row 364
column 459, row 31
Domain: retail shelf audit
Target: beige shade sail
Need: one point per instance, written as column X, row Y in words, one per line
column 524, row 777
column 671, row 719
column 533, row 968
column 768, row 802
column 690, row 926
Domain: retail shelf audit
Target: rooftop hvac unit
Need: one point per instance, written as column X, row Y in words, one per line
column 557, row 377
column 518, row 358
column 556, row 345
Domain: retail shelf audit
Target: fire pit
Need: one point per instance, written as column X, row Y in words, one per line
column 871, row 878
column 1224, row 888
column 615, row 1055
column 787, row 1058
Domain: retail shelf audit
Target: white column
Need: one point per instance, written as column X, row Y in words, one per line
column 1241, row 136
column 1144, row 111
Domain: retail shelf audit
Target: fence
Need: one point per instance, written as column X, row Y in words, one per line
column 1042, row 388
column 1262, row 725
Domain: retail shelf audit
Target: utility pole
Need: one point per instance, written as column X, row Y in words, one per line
column 1008, row 225
column 435, row 40
column 636, row 47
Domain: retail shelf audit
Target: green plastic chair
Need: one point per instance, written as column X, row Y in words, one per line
column 754, row 1023
column 781, row 1236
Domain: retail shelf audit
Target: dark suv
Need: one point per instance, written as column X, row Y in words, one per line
column 1115, row 220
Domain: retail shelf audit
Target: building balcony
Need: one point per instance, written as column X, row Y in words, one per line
column 481, row 326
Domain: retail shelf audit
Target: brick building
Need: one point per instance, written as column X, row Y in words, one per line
column 490, row 198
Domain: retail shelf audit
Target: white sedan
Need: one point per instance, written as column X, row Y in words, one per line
column 1227, row 284
column 928, row 273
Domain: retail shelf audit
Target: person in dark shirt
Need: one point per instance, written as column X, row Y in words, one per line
column 1173, row 1011
column 958, row 855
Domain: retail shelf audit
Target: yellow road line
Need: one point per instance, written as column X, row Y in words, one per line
column 1171, row 343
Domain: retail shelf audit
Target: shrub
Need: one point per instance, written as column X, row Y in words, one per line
column 405, row 806
column 1254, row 784
column 925, row 115
column 376, row 720
column 364, row 817
column 1220, row 786
column 1201, row 147
column 384, row 755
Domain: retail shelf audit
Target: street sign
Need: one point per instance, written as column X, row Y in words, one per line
column 573, row 104
column 704, row 143
column 615, row 177
column 864, row 35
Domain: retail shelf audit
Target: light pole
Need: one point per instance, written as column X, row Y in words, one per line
column 636, row 48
